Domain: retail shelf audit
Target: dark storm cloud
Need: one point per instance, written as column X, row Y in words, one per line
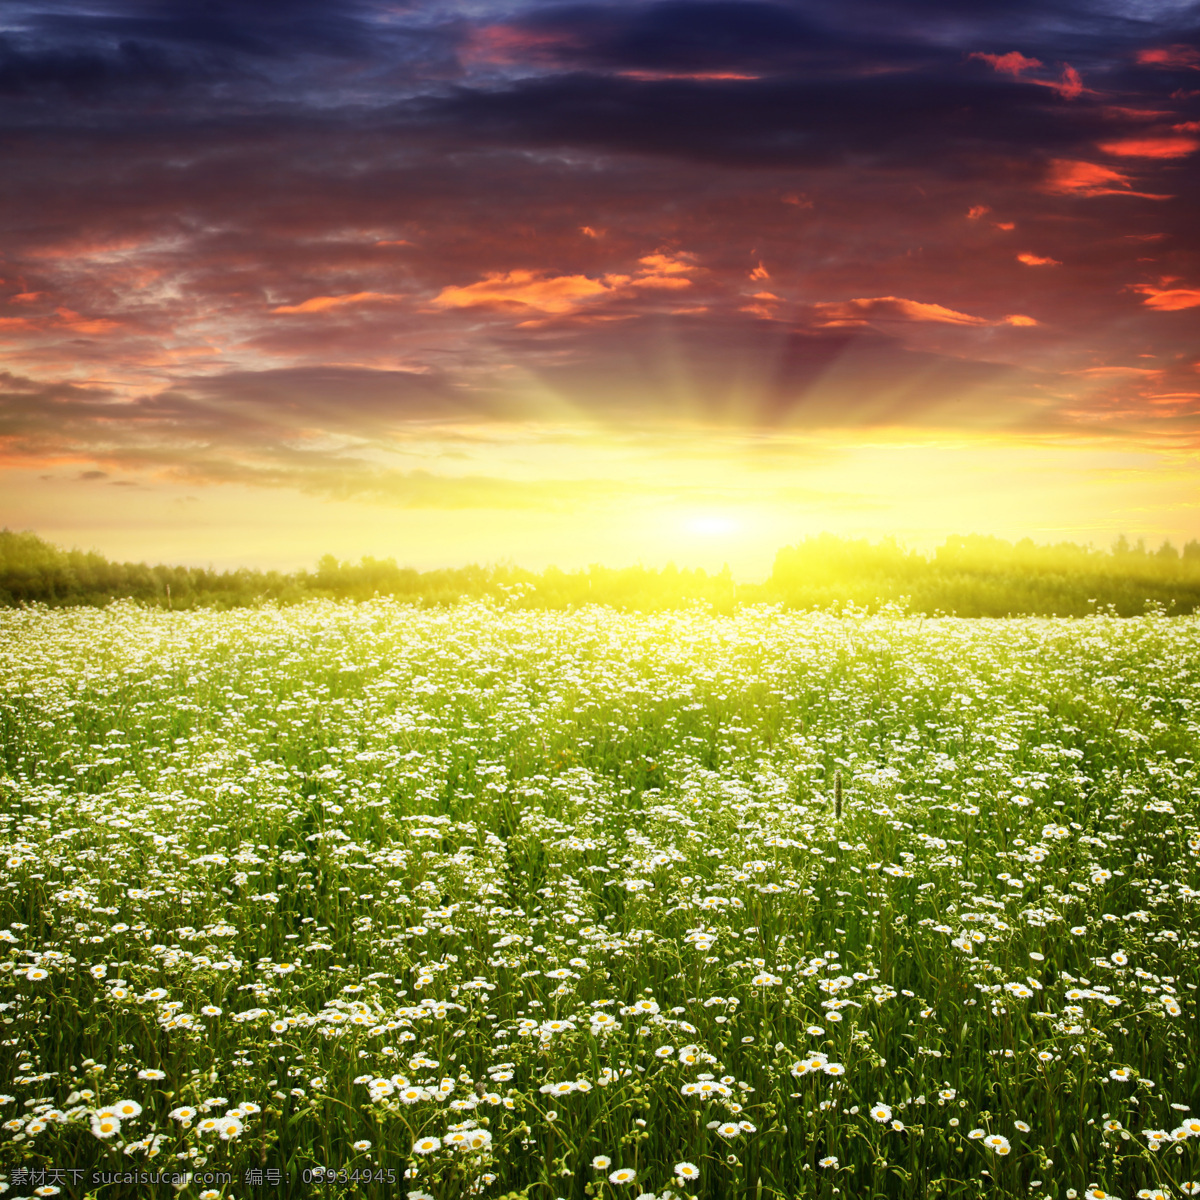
column 272, row 51
column 951, row 123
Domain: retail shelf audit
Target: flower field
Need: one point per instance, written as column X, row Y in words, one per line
column 483, row 901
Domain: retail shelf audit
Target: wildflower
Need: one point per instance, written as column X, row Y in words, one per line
column 151, row 1073
column 105, row 1127
column 1096, row 1193
column 1022, row 1126
column 996, row 1142
column 687, row 1170
column 729, row 1130
column 229, row 1128
column 184, row 1113
column 601, row 1162
column 830, row 1161
column 976, row 1134
column 126, row 1110
column 426, row 1145
column 881, row 1113
column 834, row 1068
column 1120, row 1074
column 624, row 1175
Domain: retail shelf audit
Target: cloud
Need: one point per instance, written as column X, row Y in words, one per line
column 892, row 308
column 1013, row 63
column 1168, row 299
column 1068, row 177
column 524, row 290
column 560, row 295
column 1151, row 147
column 325, row 303
column 1179, row 56
column 1034, row 260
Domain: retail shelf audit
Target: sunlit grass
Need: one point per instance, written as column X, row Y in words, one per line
column 503, row 901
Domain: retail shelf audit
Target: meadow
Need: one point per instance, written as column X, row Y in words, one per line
column 377, row 900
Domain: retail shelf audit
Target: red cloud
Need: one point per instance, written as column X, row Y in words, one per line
column 324, row 303
column 1033, row 260
column 503, row 44
column 1069, row 177
column 1070, row 85
column 1012, row 63
column 1151, row 147
column 1169, row 299
column 1171, row 57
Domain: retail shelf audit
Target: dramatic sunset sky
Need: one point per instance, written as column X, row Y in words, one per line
column 466, row 280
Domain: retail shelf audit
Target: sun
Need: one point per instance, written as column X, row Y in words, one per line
column 712, row 525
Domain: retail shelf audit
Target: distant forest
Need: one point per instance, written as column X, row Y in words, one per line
column 967, row 576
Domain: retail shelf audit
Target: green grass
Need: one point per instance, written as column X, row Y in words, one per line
column 428, row 864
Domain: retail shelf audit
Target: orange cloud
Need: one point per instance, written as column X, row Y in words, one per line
column 1019, row 319
column 1168, row 299
column 524, row 289
column 1012, row 63
column 1151, row 147
column 663, row 271
column 893, row 308
column 324, row 303
column 977, row 211
column 1033, row 260
column 1171, row 57
column 760, row 272
column 562, row 294
column 706, row 76
column 1070, row 177
column 80, row 324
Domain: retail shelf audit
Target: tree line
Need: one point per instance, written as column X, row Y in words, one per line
column 967, row 576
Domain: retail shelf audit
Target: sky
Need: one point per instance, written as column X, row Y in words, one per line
column 609, row 281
